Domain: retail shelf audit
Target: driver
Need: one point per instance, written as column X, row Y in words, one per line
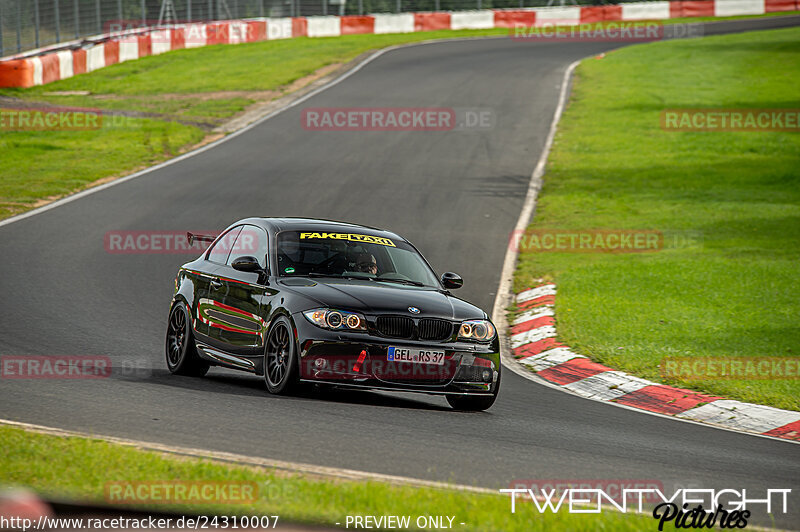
column 366, row 263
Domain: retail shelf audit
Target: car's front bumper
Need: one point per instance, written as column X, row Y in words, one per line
column 360, row 360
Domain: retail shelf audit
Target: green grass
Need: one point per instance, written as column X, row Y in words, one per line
column 48, row 164
column 735, row 292
column 77, row 468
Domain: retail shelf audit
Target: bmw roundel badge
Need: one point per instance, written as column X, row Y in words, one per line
column 413, row 310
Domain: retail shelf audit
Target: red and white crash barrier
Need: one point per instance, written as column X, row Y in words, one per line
column 109, row 49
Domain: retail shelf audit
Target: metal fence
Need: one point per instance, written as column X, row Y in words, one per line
column 29, row 24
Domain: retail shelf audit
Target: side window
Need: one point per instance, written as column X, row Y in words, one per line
column 221, row 249
column 251, row 241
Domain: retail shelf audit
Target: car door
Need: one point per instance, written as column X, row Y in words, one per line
column 201, row 280
column 210, row 318
column 243, row 299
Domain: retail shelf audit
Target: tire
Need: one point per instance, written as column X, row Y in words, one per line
column 474, row 403
column 280, row 358
column 181, row 351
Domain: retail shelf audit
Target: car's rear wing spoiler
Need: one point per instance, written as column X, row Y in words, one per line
column 191, row 237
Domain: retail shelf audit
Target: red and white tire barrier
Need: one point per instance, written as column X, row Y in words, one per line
column 41, row 67
column 534, row 344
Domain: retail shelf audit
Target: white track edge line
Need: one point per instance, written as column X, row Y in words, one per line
column 505, row 293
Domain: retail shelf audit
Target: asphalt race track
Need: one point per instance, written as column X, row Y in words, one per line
column 456, row 195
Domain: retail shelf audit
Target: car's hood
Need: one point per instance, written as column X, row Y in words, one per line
column 372, row 297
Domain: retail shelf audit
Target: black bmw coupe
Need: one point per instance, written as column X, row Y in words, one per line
column 302, row 300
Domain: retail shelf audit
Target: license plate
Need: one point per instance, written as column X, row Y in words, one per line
column 415, row 356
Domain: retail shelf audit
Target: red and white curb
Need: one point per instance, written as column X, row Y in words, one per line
column 534, row 345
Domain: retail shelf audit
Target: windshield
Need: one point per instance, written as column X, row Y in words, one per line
column 352, row 255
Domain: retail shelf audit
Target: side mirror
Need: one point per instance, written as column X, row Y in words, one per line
column 451, row 280
column 247, row 264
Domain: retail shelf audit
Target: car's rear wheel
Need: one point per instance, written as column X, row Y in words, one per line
column 280, row 358
column 182, row 357
column 474, row 403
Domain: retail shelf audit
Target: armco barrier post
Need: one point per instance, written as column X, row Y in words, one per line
column 77, row 13
column 58, row 20
column 1, row 30
column 36, row 20
column 19, row 26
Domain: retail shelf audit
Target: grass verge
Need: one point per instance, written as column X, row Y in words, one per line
column 78, row 468
column 733, row 291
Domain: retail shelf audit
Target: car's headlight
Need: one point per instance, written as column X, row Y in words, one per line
column 477, row 330
column 336, row 319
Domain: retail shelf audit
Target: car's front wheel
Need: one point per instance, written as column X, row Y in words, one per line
column 280, row 354
column 182, row 357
